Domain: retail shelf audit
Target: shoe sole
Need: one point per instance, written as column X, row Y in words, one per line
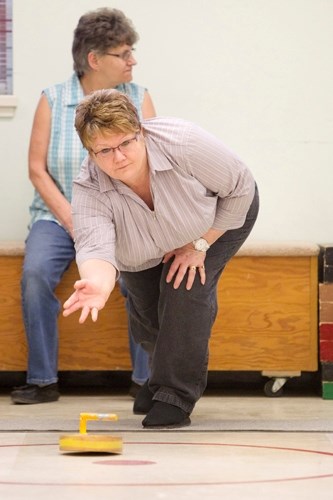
column 23, row 401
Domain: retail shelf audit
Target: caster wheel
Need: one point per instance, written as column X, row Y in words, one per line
column 274, row 388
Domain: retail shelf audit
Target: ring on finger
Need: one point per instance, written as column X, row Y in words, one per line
column 192, row 268
column 202, row 267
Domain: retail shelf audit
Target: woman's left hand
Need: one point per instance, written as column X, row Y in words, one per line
column 187, row 261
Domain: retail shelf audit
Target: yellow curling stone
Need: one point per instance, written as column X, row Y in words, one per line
column 93, row 443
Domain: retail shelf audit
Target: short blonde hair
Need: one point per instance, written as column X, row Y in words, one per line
column 103, row 112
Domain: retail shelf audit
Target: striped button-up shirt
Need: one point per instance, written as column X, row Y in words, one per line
column 196, row 184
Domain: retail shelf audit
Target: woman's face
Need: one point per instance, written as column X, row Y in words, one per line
column 122, row 156
column 115, row 66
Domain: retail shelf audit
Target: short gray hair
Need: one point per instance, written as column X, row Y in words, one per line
column 99, row 31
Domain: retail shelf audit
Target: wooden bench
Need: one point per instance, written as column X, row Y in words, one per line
column 267, row 320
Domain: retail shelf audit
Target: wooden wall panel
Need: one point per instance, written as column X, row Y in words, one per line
column 93, row 346
column 267, row 316
column 13, row 350
column 267, row 320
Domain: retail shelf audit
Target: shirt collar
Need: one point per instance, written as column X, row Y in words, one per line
column 73, row 91
column 158, row 160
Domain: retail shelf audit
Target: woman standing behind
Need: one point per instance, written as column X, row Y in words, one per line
column 103, row 58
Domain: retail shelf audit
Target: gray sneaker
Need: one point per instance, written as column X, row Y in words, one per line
column 33, row 394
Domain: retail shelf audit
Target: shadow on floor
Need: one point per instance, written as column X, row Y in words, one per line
column 228, row 383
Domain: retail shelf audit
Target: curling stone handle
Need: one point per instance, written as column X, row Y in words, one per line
column 84, row 417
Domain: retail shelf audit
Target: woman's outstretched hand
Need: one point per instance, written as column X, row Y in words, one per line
column 88, row 297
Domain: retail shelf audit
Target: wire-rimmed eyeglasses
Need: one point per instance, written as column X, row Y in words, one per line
column 125, row 56
column 124, row 148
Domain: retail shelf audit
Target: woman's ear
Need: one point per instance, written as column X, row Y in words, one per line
column 93, row 60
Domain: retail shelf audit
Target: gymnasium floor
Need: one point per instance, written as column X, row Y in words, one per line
column 237, row 461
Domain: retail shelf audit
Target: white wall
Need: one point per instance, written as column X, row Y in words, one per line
column 257, row 73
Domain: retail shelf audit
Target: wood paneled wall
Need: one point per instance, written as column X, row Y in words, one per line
column 267, row 320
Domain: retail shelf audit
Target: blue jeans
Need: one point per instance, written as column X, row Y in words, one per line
column 49, row 252
column 176, row 324
column 139, row 357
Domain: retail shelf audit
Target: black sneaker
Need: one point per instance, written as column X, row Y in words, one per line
column 32, row 394
column 143, row 401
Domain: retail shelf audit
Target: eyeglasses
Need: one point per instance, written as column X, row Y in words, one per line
column 124, row 148
column 125, row 56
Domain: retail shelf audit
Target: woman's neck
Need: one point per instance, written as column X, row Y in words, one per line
column 91, row 82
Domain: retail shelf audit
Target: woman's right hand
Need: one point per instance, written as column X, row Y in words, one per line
column 88, row 297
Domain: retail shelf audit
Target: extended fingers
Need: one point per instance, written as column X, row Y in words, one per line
column 94, row 314
column 192, row 270
column 178, row 272
column 191, row 277
column 86, row 310
column 202, row 273
column 179, row 276
column 70, row 306
column 71, row 301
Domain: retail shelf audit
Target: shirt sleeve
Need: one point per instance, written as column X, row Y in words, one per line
column 223, row 173
column 94, row 233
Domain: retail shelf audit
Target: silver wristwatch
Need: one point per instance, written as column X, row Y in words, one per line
column 201, row 245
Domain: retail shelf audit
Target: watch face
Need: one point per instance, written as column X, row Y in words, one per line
column 201, row 245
